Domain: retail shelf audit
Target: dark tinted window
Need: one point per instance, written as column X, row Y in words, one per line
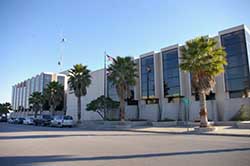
column 171, row 80
column 60, row 80
column 111, row 90
column 47, row 117
column 237, row 70
column 147, row 77
column 47, row 79
column 68, row 118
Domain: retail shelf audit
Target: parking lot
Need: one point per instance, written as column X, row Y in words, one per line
column 44, row 120
column 37, row 145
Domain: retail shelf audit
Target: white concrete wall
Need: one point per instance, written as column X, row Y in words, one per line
column 93, row 91
column 232, row 106
column 131, row 112
column 149, row 112
column 170, row 110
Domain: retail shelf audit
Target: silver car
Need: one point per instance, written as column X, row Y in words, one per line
column 28, row 121
column 62, row 121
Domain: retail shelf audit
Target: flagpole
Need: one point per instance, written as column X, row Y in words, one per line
column 105, row 83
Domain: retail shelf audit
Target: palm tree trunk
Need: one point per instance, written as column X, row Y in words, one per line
column 138, row 111
column 79, row 109
column 203, row 110
column 122, row 109
column 35, row 114
column 52, row 110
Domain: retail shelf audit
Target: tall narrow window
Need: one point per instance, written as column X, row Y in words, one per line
column 171, row 78
column 60, row 80
column 237, row 71
column 111, row 90
column 147, row 77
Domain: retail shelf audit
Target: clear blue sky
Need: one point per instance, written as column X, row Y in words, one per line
column 30, row 30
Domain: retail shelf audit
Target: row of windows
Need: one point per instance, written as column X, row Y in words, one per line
column 236, row 61
column 21, row 95
column 237, row 70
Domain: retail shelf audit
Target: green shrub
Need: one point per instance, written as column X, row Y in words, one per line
column 243, row 114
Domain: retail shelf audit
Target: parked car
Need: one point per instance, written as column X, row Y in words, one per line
column 19, row 120
column 29, row 121
column 3, row 119
column 11, row 120
column 62, row 120
column 43, row 120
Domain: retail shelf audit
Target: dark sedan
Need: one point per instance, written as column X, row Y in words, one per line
column 43, row 120
column 19, row 120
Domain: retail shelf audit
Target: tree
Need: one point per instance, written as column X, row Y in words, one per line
column 79, row 80
column 98, row 105
column 54, row 94
column 5, row 108
column 204, row 60
column 122, row 73
column 36, row 101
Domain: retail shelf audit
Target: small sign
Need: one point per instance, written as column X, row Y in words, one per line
column 185, row 100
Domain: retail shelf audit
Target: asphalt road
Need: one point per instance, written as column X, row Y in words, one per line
column 32, row 145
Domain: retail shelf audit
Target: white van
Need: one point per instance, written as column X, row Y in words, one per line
column 62, row 120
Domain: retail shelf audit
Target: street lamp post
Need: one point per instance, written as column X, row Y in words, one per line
column 148, row 71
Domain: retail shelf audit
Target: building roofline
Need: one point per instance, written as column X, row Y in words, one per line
column 147, row 54
column 232, row 29
column 170, row 47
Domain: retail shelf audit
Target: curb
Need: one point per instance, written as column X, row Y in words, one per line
column 192, row 133
column 131, row 129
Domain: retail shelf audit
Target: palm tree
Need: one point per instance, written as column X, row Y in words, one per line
column 36, row 100
column 122, row 73
column 5, row 108
column 79, row 80
column 54, row 94
column 204, row 60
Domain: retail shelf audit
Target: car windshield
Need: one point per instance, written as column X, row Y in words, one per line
column 46, row 117
column 68, row 118
column 58, row 117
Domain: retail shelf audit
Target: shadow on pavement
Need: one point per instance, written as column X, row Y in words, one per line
column 28, row 160
column 70, row 135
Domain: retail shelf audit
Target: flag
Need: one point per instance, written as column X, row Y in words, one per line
column 110, row 58
column 108, row 73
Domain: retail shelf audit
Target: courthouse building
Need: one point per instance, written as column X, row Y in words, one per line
column 162, row 90
column 161, row 85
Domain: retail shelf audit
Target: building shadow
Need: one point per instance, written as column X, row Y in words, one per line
column 29, row 160
column 70, row 135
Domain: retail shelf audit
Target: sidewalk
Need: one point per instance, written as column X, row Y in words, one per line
column 221, row 130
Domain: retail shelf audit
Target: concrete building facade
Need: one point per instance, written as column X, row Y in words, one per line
column 22, row 91
column 162, row 90
column 161, row 83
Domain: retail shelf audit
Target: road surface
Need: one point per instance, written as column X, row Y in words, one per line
column 33, row 145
